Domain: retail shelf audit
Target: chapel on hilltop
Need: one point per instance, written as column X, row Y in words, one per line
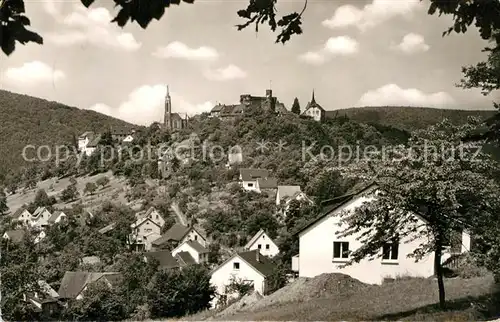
column 172, row 121
column 314, row 110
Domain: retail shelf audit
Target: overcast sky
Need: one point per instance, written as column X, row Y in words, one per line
column 353, row 53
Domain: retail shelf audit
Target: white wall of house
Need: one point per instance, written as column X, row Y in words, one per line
column 194, row 235
column 316, row 245
column 157, row 218
column 250, row 186
column 60, row 217
column 313, row 112
column 221, row 277
column 184, row 247
column 265, row 245
column 145, row 233
column 128, row 139
column 82, row 143
column 89, row 150
column 25, row 217
column 42, row 219
column 295, row 263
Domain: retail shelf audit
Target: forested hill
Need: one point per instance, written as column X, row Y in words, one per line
column 30, row 120
column 406, row 117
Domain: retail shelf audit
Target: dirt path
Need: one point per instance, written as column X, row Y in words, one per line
column 180, row 216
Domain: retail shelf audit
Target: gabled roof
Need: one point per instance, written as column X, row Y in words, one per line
column 336, row 203
column 175, row 233
column 56, row 215
column 197, row 246
column 253, row 174
column 94, row 142
column 267, row 183
column 185, row 259
column 107, row 228
column 86, row 134
column 256, row 237
column 73, row 283
column 19, row 212
column 262, row 264
column 16, row 236
column 142, row 220
column 288, row 191
column 39, row 211
column 164, row 258
column 216, row 108
column 312, row 104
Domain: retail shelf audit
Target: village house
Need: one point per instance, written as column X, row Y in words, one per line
column 40, row 217
column 176, row 235
column 315, row 110
column 285, row 195
column 185, row 259
column 322, row 248
column 57, row 217
column 45, row 301
column 146, row 229
column 17, row 235
column 249, row 102
column 262, row 242
column 256, row 179
column 22, row 215
column 74, row 284
column 248, row 267
column 193, row 248
column 87, row 142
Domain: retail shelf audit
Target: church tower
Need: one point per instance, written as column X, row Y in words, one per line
column 167, row 119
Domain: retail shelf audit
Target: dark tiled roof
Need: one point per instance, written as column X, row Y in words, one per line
column 253, row 174
column 164, row 258
column 267, row 183
column 54, row 216
column 74, row 282
column 217, row 108
column 16, row 236
column 197, row 246
column 108, row 228
column 176, row 233
column 94, row 142
column 334, row 204
column 288, row 191
column 18, row 213
column 258, row 261
column 89, row 134
column 185, row 259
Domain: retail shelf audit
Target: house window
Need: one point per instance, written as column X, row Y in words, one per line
column 195, row 237
column 148, row 230
column 259, row 246
column 157, row 217
column 250, row 185
column 340, row 250
column 390, row 251
column 236, row 265
column 267, row 246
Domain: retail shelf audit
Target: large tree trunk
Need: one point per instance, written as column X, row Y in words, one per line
column 438, row 268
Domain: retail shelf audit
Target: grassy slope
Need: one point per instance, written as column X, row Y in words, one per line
column 29, row 120
column 408, row 118
column 411, row 299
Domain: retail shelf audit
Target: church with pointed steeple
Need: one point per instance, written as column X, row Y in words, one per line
column 172, row 121
column 314, row 110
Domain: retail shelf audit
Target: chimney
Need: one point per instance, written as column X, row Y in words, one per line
column 257, row 256
column 269, row 93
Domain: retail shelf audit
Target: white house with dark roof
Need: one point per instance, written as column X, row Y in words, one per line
column 177, row 234
column 194, row 248
column 285, row 195
column 249, row 267
column 256, row 180
column 262, row 242
column 22, row 216
column 40, row 217
column 87, row 142
column 314, row 110
column 57, row 217
column 323, row 249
